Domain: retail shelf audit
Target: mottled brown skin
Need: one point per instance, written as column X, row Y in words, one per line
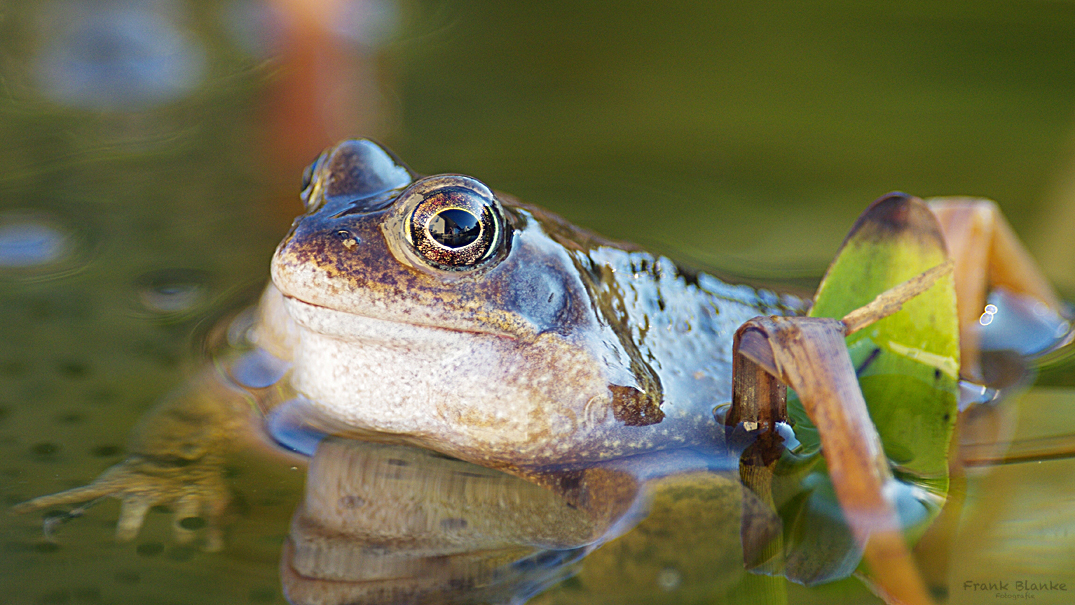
column 640, row 349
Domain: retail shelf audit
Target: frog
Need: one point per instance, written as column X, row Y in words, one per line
column 437, row 313
column 431, row 311
column 490, row 330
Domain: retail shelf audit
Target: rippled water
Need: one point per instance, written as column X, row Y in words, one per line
column 143, row 186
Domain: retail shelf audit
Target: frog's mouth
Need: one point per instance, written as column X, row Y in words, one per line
column 387, row 326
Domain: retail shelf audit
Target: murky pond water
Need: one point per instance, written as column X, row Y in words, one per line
column 152, row 157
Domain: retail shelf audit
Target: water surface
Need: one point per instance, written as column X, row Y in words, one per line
column 136, row 213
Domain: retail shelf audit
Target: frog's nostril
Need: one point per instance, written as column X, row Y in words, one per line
column 349, row 239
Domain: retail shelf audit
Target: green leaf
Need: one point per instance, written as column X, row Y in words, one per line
column 908, row 363
column 908, row 370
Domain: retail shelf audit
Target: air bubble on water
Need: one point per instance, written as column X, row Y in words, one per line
column 669, row 579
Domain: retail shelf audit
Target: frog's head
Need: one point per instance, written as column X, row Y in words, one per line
column 435, row 309
column 442, row 251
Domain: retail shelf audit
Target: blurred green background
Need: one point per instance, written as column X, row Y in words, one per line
column 755, row 130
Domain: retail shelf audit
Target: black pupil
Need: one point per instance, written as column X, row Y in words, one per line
column 454, row 228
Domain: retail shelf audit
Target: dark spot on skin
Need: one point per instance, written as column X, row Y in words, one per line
column 947, row 417
column 192, row 523
column 937, row 374
column 45, row 449
column 453, row 523
column 633, row 408
column 150, row 549
column 104, row 451
column 397, row 462
column 868, row 361
column 73, row 369
column 127, row 577
column 161, row 508
column 352, row 501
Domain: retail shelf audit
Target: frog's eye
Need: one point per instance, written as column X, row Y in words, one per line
column 455, row 223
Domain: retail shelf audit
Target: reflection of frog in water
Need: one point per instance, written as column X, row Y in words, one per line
column 431, row 312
